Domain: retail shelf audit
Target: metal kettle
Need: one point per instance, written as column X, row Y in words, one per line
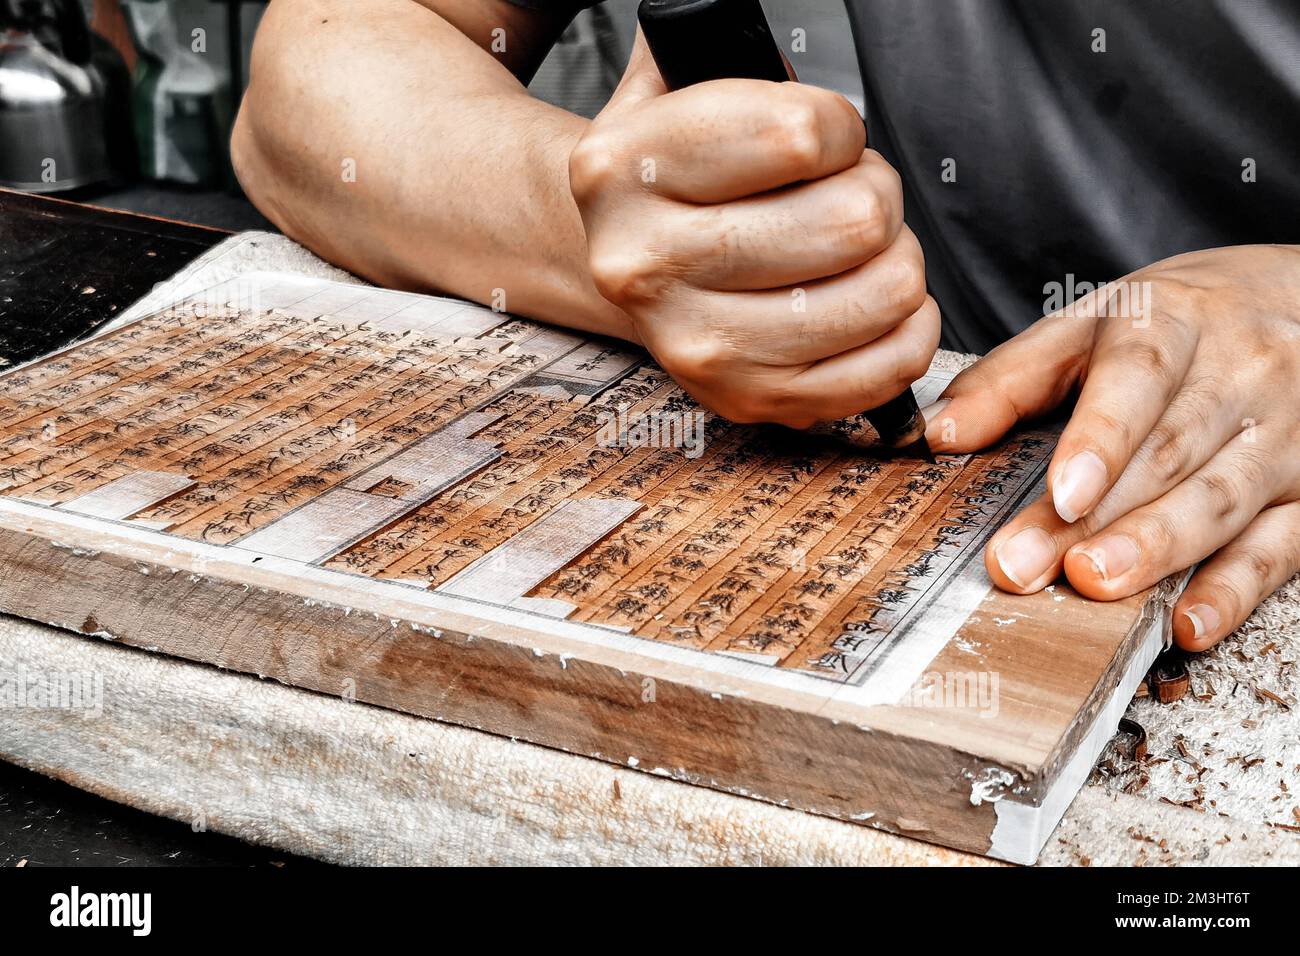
column 53, row 98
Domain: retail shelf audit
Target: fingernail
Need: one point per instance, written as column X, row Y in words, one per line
column 1113, row 555
column 1078, row 486
column 1026, row 556
column 1204, row 618
column 934, row 409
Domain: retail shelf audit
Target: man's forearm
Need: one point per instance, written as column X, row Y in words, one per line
column 381, row 137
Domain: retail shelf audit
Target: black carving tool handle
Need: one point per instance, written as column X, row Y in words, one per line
column 694, row 41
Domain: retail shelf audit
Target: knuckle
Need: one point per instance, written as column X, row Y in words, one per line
column 1113, row 429
column 907, row 284
column 1253, row 472
column 864, row 229
column 591, row 166
column 798, row 138
column 787, row 404
column 1279, row 364
column 1152, row 354
column 839, row 114
column 1260, row 564
column 626, row 275
column 751, row 399
column 699, row 359
column 1290, row 549
column 1220, row 491
column 886, row 178
column 746, row 410
column 842, row 106
column 1169, row 451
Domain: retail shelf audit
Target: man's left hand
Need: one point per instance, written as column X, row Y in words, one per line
column 1182, row 446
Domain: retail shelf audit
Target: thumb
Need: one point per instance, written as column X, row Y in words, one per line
column 1022, row 378
column 641, row 80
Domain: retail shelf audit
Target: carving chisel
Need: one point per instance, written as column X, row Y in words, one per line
column 694, row 41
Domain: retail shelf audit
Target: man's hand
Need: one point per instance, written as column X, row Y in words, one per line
column 758, row 249
column 1182, row 446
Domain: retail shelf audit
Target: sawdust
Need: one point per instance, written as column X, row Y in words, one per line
column 1231, row 746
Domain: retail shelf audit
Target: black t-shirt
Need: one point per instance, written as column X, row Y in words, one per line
column 1044, row 144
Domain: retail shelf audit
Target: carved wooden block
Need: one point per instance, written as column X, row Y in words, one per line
column 432, row 507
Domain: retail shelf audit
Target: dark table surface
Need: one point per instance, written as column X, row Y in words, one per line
column 65, row 269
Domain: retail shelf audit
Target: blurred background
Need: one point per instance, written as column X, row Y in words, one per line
column 128, row 104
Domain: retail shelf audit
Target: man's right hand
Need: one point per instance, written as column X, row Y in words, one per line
column 759, row 250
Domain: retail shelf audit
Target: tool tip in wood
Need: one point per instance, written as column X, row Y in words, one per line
column 917, row 449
